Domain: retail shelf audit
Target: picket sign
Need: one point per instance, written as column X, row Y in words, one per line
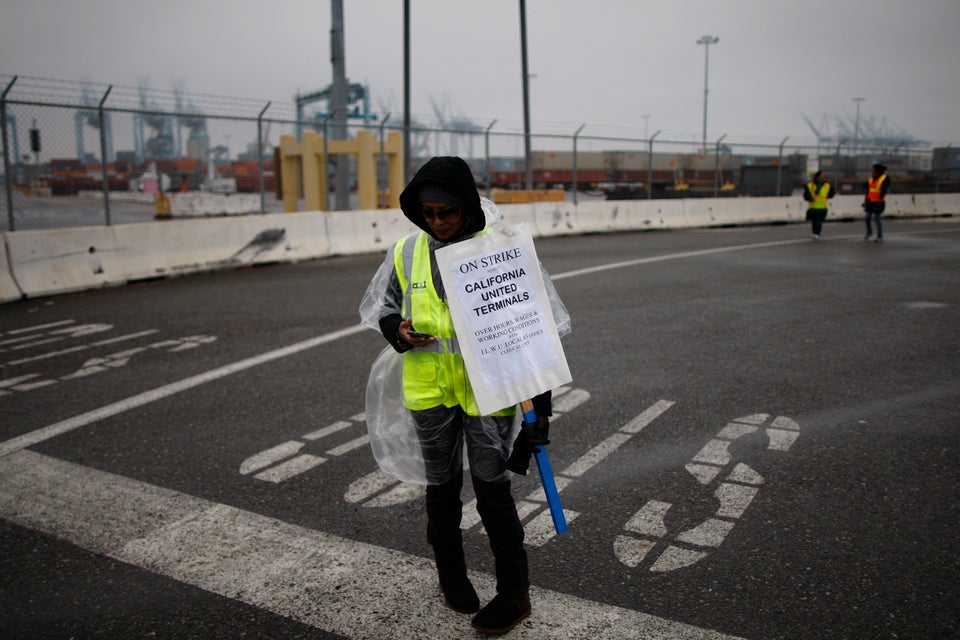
column 502, row 316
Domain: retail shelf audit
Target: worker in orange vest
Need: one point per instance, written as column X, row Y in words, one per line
column 875, row 201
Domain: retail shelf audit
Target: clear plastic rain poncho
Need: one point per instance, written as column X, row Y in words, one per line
column 394, row 438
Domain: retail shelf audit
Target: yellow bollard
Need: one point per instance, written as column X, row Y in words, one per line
column 161, row 204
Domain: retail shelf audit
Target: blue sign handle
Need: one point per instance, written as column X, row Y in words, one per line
column 546, row 478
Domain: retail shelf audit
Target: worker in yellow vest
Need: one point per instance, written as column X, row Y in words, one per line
column 874, row 203
column 406, row 301
column 817, row 193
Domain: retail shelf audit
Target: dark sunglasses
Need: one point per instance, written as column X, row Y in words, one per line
column 440, row 214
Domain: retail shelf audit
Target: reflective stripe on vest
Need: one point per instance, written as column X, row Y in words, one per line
column 433, row 375
column 819, row 198
column 873, row 190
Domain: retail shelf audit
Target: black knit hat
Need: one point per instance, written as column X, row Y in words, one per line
column 432, row 192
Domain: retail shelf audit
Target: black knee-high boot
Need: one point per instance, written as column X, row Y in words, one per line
column 444, row 509
column 505, row 531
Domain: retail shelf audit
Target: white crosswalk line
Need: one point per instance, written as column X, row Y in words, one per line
column 350, row 588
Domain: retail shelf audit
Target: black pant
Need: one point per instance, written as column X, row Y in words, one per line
column 816, row 218
column 442, row 431
column 498, row 512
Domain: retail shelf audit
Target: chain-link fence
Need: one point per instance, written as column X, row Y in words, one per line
column 79, row 154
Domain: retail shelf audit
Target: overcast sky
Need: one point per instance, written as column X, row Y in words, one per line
column 606, row 63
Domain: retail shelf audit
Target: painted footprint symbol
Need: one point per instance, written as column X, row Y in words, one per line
column 735, row 491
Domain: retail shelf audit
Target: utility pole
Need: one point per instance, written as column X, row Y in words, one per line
column 706, row 41
column 526, row 94
column 338, row 105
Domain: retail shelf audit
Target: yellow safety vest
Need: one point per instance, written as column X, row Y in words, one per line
column 433, row 375
column 819, row 198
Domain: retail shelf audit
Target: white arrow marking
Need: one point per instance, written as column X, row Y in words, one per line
column 270, row 456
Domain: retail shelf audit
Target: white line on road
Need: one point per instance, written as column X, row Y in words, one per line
column 39, row 327
column 83, row 347
column 350, row 588
column 45, row 433
column 673, row 256
column 174, row 552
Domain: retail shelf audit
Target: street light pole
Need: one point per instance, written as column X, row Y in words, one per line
column 706, row 41
column 856, row 127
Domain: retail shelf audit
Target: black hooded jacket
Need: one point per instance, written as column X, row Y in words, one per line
column 453, row 174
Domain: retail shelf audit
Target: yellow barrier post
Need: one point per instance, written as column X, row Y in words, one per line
column 289, row 161
column 366, row 170
column 161, row 204
column 304, row 164
column 395, row 177
column 314, row 176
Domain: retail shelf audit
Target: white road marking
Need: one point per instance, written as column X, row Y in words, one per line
column 369, row 485
column 347, row 447
column 111, row 361
column 290, row 468
column 270, row 456
column 83, row 347
column 39, row 327
column 608, row 446
column 350, row 588
column 36, row 343
column 39, row 435
column 304, row 462
column 12, row 383
column 326, row 431
column 139, row 400
column 16, row 341
column 734, row 496
column 636, row 627
column 672, row 256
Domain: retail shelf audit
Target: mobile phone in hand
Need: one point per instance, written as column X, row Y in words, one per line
column 418, row 334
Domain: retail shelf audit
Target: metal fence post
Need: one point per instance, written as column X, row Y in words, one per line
column 326, row 163
column 486, row 148
column 575, row 182
column 650, row 165
column 779, row 164
column 716, row 169
column 263, row 205
column 836, row 157
column 103, row 158
column 382, row 200
column 8, row 187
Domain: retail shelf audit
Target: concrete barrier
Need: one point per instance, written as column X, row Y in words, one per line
column 519, row 214
column 555, row 219
column 353, row 232
column 9, row 291
column 199, row 204
column 177, row 247
column 63, row 260
column 624, row 215
column 37, row 263
column 597, row 217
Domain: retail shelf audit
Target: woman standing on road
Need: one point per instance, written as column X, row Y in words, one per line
column 817, row 193
column 406, row 301
column 874, row 202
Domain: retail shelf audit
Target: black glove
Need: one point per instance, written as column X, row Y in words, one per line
column 530, row 437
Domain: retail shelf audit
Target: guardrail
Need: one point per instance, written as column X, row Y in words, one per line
column 49, row 262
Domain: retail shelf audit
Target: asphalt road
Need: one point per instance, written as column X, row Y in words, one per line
column 760, row 441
